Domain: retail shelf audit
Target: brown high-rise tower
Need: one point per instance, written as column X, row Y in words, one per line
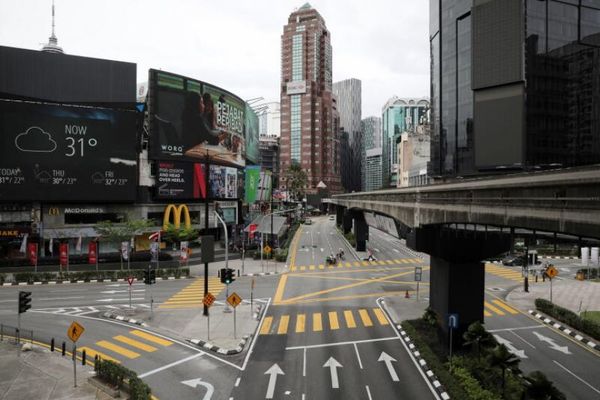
column 309, row 120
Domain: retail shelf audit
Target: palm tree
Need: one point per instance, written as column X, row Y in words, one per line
column 540, row 388
column 502, row 358
column 476, row 336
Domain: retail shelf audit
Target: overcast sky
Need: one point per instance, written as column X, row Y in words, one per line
column 235, row 44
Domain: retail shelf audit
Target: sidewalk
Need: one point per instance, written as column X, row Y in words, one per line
column 38, row 374
column 574, row 295
column 247, row 267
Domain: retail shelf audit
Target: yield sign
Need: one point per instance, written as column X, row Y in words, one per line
column 130, row 280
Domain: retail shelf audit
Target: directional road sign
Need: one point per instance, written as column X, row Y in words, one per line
column 418, row 274
column 453, row 321
column 208, row 300
column 234, row 299
column 74, row 331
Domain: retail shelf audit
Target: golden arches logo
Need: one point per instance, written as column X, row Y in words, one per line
column 53, row 211
column 177, row 211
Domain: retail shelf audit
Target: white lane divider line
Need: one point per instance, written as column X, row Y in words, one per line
column 368, row 392
column 581, row 380
column 237, row 381
column 358, row 356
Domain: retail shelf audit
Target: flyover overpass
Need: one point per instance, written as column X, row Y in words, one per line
column 458, row 223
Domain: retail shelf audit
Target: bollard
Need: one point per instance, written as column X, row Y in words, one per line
column 83, row 357
column 64, row 347
column 52, row 345
column 238, row 273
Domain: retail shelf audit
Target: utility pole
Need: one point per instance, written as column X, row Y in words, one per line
column 206, row 191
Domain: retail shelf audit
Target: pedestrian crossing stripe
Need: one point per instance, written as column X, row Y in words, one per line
column 504, row 272
column 347, row 264
column 193, row 294
column 497, row 307
column 125, row 346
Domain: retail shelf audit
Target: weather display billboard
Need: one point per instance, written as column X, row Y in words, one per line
column 251, row 135
column 190, row 120
column 51, row 152
column 185, row 181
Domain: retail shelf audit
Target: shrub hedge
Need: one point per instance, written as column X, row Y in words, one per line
column 472, row 386
column 116, row 375
column 589, row 327
column 31, row 277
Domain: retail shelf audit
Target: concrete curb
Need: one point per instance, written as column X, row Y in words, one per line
column 86, row 281
column 205, row 345
column 220, row 350
column 417, row 356
column 121, row 318
column 561, row 257
column 565, row 329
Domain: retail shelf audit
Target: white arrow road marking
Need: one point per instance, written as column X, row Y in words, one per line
column 552, row 343
column 377, row 250
column 121, row 298
column 273, row 372
column 198, row 382
column 396, row 250
column 387, row 359
column 333, row 364
column 510, row 347
column 122, row 291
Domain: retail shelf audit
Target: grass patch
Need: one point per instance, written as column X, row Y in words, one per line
column 591, row 315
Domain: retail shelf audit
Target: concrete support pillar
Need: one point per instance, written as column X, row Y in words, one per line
column 456, row 288
column 512, row 240
column 361, row 231
column 347, row 222
column 339, row 215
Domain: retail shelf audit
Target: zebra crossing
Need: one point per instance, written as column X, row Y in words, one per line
column 128, row 346
column 497, row 307
column 323, row 321
column 85, row 310
column 503, row 272
column 355, row 264
column 191, row 296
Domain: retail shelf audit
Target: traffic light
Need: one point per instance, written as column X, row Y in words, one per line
column 229, row 276
column 152, row 276
column 223, row 274
column 147, row 276
column 24, row 301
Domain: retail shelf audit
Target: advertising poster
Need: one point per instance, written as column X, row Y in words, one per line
column 92, row 252
column 191, row 120
column 154, row 251
column 184, row 251
column 264, row 186
column 32, row 253
column 251, row 135
column 50, row 152
column 63, row 251
column 125, row 250
column 186, row 181
column 251, row 183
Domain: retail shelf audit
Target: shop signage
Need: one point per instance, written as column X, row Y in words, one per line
column 298, row 87
column 177, row 211
column 12, row 233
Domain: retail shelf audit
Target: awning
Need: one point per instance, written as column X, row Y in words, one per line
column 263, row 225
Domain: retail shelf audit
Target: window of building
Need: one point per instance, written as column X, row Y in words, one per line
column 297, row 71
column 295, row 127
column 74, row 219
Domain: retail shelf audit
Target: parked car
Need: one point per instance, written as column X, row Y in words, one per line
column 307, row 222
column 513, row 260
column 331, row 218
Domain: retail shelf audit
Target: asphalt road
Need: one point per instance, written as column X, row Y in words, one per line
column 324, row 336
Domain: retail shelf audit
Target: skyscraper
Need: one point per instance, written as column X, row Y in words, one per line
column 372, row 161
column 349, row 105
column 399, row 115
column 309, row 119
column 531, row 103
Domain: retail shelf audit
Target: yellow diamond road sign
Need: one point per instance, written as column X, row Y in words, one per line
column 75, row 330
column 234, row 300
column 209, row 299
column 551, row 271
column 267, row 249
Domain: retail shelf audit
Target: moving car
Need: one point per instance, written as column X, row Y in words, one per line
column 307, row 222
column 331, row 217
column 513, row 260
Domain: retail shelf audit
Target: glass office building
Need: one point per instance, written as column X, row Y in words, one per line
column 515, row 85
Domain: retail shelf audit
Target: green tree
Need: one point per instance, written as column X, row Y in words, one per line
column 174, row 235
column 477, row 337
column 119, row 232
column 296, row 181
column 502, row 358
column 538, row 387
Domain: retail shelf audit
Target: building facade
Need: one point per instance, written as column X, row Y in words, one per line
column 269, row 119
column 269, row 153
column 372, row 172
column 413, row 157
column 399, row 115
column 532, row 103
column 348, row 94
column 309, row 117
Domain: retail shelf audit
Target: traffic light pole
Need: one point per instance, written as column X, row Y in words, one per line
column 206, row 188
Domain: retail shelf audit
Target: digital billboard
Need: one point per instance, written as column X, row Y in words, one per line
column 190, row 120
column 251, row 134
column 58, row 153
column 186, row 181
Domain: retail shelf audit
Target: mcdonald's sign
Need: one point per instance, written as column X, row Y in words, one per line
column 177, row 211
column 53, row 211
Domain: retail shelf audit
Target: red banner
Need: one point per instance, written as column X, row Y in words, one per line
column 92, row 252
column 252, row 229
column 32, row 252
column 63, row 250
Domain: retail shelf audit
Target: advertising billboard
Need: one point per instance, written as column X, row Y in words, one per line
column 190, row 120
column 258, row 185
column 51, row 152
column 251, row 135
column 186, row 181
